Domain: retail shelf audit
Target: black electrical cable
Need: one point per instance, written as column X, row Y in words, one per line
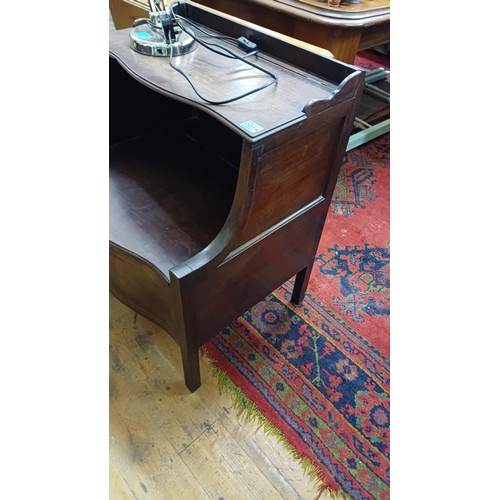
column 194, row 25
column 234, row 55
column 230, row 54
column 227, row 101
column 205, row 43
column 206, row 33
column 220, row 37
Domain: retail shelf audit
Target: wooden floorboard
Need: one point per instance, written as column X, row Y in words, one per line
column 166, row 442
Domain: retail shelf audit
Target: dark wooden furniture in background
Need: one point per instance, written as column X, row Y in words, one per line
column 342, row 36
column 207, row 217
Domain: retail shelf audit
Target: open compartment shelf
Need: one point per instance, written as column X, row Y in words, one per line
column 169, row 196
column 170, row 188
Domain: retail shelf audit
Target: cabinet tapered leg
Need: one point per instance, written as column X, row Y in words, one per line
column 182, row 294
column 191, row 366
column 301, row 282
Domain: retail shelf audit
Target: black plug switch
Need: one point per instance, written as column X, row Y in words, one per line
column 167, row 22
column 246, row 45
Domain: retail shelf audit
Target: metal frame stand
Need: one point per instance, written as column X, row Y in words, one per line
column 370, row 132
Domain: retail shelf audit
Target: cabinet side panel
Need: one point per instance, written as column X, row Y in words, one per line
column 292, row 176
column 142, row 288
column 239, row 283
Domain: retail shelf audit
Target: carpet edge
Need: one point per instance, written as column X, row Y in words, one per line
column 248, row 412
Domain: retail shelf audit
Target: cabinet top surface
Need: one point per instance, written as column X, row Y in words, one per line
column 220, row 78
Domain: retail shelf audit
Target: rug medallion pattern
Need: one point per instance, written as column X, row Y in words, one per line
column 319, row 372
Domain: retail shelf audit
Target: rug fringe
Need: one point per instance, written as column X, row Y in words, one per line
column 248, row 412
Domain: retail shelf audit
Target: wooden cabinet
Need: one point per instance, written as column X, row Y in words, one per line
column 212, row 207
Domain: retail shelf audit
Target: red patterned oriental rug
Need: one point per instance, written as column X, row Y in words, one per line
column 317, row 375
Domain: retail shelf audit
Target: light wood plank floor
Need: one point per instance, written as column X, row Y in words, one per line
column 166, row 443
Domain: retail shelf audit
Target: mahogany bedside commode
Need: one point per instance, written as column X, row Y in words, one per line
column 213, row 207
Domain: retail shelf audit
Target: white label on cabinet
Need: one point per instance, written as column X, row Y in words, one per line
column 251, row 126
